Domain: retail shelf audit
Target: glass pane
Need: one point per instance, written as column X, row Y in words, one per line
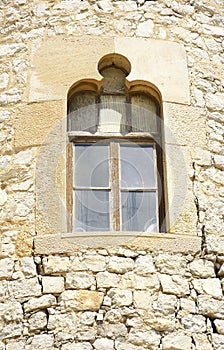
column 144, row 116
column 139, row 211
column 91, row 165
column 91, row 211
column 137, row 166
column 112, row 113
column 82, row 112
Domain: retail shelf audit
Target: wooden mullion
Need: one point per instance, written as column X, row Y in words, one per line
column 115, row 193
column 69, row 187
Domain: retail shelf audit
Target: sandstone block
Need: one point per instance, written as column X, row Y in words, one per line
column 81, row 300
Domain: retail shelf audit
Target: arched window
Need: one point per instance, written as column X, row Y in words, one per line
column 115, row 158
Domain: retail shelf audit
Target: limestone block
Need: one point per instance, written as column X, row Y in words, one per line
column 105, row 6
column 215, row 101
column 72, row 58
column 23, row 289
column 81, row 300
column 37, row 320
column 66, row 322
column 211, row 286
column 11, row 311
column 94, row 262
column 24, row 157
column 124, row 346
column 194, row 323
column 28, row 267
column 113, row 316
column 41, row 342
column 144, row 265
column 142, row 299
column 42, row 302
column 6, row 268
column 211, row 307
column 202, row 342
column 163, row 63
column 88, row 318
column 3, row 197
column 107, row 280
column 161, row 324
column 114, row 330
column 120, row 297
column 177, row 342
column 79, row 280
column 170, row 264
column 53, row 285
column 131, row 280
column 11, row 330
column 14, row 345
column 120, row 265
column 77, row 346
column 187, row 306
column 145, row 29
column 219, row 324
column 202, row 268
column 214, row 244
column 218, row 341
column 174, row 285
column 4, row 80
column 104, row 344
column 11, row 49
column 87, row 335
column 56, row 264
column 148, row 338
column 166, row 304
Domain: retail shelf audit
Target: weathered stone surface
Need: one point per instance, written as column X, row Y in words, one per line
column 211, row 307
column 202, row 268
column 120, row 265
column 56, row 264
column 53, row 285
column 6, row 268
column 11, row 311
column 120, row 297
column 42, row 342
column 81, row 300
column 218, row 341
column 42, row 302
column 144, row 265
column 142, row 300
column 174, row 285
column 28, row 267
column 77, row 346
column 107, row 280
column 37, row 320
column 177, row 342
column 79, row 280
column 104, row 344
column 24, row 289
column 219, row 324
column 147, row 338
column 211, row 286
column 194, row 323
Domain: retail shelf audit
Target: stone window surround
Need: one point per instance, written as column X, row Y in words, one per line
column 159, row 62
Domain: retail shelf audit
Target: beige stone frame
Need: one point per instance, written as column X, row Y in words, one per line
column 74, row 58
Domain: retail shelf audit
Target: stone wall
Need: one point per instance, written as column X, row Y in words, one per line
column 121, row 297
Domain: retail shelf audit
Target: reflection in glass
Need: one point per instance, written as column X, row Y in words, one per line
column 91, row 166
column 137, row 166
column 139, row 211
column 92, row 211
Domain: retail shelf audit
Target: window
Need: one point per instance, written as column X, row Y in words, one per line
column 115, row 171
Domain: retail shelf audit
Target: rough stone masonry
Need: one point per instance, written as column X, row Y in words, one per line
column 131, row 296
